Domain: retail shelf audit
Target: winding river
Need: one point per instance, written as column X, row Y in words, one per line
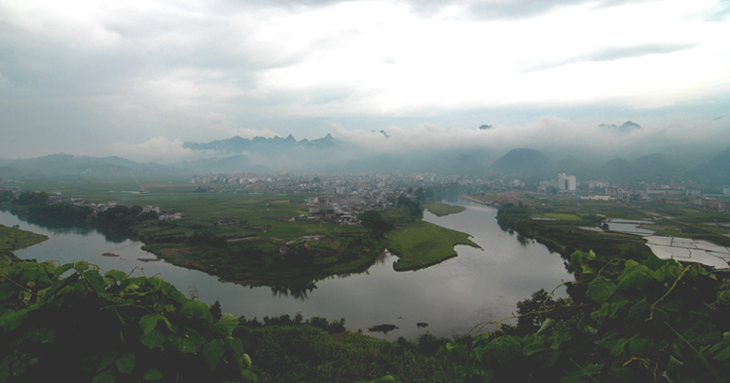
column 452, row 297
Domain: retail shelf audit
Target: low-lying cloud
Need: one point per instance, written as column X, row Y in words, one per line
column 158, row 149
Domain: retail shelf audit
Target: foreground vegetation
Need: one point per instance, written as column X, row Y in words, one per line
column 73, row 322
column 625, row 321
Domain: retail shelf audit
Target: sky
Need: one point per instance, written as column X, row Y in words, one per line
column 139, row 78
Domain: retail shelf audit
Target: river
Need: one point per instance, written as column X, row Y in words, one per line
column 452, row 297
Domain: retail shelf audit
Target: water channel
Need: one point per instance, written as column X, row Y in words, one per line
column 452, row 297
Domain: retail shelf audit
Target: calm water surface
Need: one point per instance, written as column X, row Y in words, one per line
column 477, row 286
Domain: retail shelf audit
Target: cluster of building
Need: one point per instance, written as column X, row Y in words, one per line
column 371, row 189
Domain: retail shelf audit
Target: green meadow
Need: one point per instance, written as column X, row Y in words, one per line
column 12, row 238
column 442, row 209
column 422, row 244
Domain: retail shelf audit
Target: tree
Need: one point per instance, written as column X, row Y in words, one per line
column 373, row 221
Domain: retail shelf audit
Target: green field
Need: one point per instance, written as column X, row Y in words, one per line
column 12, row 238
column 423, row 244
column 442, row 209
column 559, row 216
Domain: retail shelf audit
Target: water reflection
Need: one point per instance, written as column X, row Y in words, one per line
column 522, row 240
column 58, row 227
column 297, row 289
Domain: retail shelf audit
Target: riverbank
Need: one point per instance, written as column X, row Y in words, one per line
column 12, row 238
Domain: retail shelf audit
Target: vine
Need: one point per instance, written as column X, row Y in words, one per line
column 73, row 322
column 612, row 333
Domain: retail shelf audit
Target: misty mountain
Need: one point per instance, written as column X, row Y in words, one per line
column 442, row 162
column 651, row 168
column 573, row 166
column 627, row 127
column 654, row 167
column 522, row 162
column 66, row 164
column 274, row 145
column 714, row 172
column 232, row 164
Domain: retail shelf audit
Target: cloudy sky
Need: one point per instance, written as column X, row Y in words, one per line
column 138, row 78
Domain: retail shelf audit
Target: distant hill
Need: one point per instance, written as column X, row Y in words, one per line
column 714, row 172
column 627, row 127
column 654, row 167
column 66, row 164
column 651, row 168
column 522, row 162
column 616, row 170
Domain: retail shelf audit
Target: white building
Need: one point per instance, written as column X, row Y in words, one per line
column 566, row 182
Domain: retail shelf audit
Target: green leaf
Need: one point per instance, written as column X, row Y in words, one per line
column 147, row 323
column 534, row 347
column 236, row 345
column 615, row 306
column 117, row 275
column 153, row 339
column 213, row 353
column 95, row 281
column 125, row 363
column 549, row 322
column 61, row 270
column 8, row 291
column 178, row 296
column 152, row 374
column 674, row 363
column 190, row 342
column 561, row 333
column 228, row 322
column 246, row 360
column 618, row 348
column 640, row 347
column 49, row 336
column 105, row 377
column 81, row 265
column 639, row 309
column 600, row 289
column 637, row 276
column 13, row 319
column 197, row 310
column 723, row 355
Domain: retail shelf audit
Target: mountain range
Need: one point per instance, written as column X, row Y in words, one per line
column 328, row 154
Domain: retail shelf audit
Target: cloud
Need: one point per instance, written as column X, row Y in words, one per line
column 492, row 10
column 251, row 133
column 556, row 136
column 549, row 131
column 158, row 149
column 617, row 53
column 719, row 12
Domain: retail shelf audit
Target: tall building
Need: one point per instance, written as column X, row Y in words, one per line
column 566, row 182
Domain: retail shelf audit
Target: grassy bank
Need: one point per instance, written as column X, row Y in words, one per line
column 442, row 209
column 12, row 238
column 422, row 244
